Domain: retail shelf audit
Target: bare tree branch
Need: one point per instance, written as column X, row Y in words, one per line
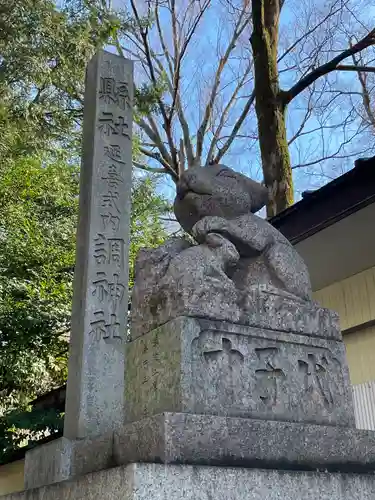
column 177, row 60
column 161, row 38
column 361, row 69
column 180, row 55
column 304, row 120
column 301, row 127
column 156, row 156
column 312, row 30
column 224, row 114
column 366, row 101
column 153, row 134
column 147, row 168
column 239, row 28
column 335, row 155
column 167, row 123
column 221, row 152
column 326, row 68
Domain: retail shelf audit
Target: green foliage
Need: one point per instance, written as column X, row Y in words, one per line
column 39, row 211
column 28, row 427
column 147, row 96
column 146, row 229
column 43, row 56
column 44, row 51
column 37, row 252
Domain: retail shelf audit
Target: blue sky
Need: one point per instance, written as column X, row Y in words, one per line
column 201, row 62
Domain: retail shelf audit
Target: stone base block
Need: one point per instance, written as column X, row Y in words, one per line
column 166, row 482
column 209, row 367
column 66, row 459
column 258, row 306
column 206, row 440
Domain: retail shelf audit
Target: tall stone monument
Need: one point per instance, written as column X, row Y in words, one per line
column 236, row 382
column 95, row 389
column 94, row 403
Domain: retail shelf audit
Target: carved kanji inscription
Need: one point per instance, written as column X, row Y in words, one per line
column 109, row 250
column 114, row 92
column 106, row 329
column 113, row 152
column 109, row 125
column 265, row 378
column 270, row 375
column 316, row 368
column 108, row 290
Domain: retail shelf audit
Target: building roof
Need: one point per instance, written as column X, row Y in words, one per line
column 332, row 227
column 321, row 208
column 54, row 399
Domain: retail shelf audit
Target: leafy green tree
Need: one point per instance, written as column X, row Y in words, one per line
column 44, row 52
column 39, row 206
column 27, row 427
column 37, row 252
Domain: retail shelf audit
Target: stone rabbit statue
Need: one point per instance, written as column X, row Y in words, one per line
column 238, row 256
column 219, row 200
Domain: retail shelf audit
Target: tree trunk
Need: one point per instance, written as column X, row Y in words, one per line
column 269, row 106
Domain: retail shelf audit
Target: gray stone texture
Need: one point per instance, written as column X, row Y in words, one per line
column 160, row 482
column 216, row 190
column 206, row 292
column 268, row 257
column 192, row 281
column 64, row 459
column 217, row 199
column 94, row 400
column 242, row 270
column 216, row 368
column 180, row 438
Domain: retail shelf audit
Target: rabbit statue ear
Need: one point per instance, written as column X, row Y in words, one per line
column 258, row 194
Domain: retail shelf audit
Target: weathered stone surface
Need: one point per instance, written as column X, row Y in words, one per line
column 111, row 484
column 170, row 283
column 198, row 295
column 240, row 259
column 64, row 459
column 206, row 367
column 160, row 482
column 267, row 257
column 219, row 200
column 94, row 399
column 216, row 190
column 226, row 441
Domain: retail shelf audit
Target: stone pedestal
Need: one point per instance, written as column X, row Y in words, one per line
column 257, row 306
column 160, row 482
column 198, row 366
column 64, row 459
column 181, row 438
column 203, row 392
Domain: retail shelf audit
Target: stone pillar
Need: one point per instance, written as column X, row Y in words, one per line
column 95, row 390
column 94, row 402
